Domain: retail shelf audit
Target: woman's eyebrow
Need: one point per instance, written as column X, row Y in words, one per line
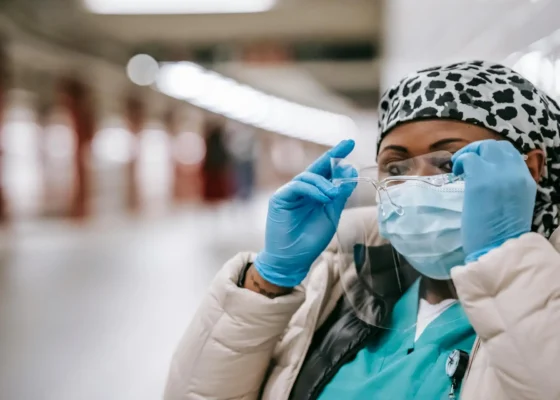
column 441, row 143
column 394, row 147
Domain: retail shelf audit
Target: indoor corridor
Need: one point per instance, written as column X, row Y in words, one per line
column 95, row 312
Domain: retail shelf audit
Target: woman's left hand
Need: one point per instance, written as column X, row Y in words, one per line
column 499, row 195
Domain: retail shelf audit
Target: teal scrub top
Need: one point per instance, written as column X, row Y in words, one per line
column 394, row 367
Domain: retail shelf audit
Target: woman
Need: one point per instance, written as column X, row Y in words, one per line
column 260, row 333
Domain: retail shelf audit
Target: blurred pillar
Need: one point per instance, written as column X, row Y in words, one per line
column 47, row 111
column 172, row 127
column 185, row 161
column 43, row 113
column 242, row 146
column 76, row 98
column 4, row 70
column 135, row 119
column 187, row 153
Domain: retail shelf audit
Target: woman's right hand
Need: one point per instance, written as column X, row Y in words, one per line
column 302, row 219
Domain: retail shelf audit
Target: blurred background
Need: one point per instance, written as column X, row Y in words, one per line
column 141, row 140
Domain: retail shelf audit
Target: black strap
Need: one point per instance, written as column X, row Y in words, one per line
column 243, row 275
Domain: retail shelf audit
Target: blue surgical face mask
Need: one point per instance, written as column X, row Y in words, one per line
column 423, row 223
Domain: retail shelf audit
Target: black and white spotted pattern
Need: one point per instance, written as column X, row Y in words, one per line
column 492, row 96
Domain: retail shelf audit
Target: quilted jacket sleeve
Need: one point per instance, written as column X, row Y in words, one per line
column 512, row 298
column 227, row 348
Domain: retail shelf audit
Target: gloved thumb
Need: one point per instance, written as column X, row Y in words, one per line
column 346, row 189
column 334, row 211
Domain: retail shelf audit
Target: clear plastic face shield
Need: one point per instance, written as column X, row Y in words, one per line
column 400, row 223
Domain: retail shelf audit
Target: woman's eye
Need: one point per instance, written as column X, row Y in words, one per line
column 395, row 170
column 446, row 166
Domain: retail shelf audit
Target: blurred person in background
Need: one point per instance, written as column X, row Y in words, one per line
column 216, row 167
column 242, row 145
column 271, row 329
column 75, row 96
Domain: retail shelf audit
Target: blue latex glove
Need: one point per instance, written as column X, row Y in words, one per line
column 499, row 195
column 302, row 219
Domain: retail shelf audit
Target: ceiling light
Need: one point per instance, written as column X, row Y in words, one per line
column 250, row 106
column 139, row 7
column 219, row 94
column 182, row 80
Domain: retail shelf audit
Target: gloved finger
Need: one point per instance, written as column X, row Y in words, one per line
column 474, row 147
column 323, row 184
column 490, row 149
column 347, row 171
column 322, row 166
column 342, row 171
column 499, row 152
column 346, row 188
column 506, row 151
column 339, row 202
column 468, row 164
column 296, row 190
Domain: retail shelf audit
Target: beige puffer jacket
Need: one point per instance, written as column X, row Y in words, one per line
column 511, row 296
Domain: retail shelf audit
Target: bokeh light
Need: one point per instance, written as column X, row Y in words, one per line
column 142, row 69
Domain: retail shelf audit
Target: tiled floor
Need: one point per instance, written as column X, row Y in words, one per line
column 94, row 312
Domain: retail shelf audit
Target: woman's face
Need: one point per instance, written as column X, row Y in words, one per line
column 437, row 137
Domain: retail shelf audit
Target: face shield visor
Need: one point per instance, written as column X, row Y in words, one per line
column 400, row 223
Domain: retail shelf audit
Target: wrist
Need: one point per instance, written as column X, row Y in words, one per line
column 256, row 283
column 475, row 255
column 278, row 271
